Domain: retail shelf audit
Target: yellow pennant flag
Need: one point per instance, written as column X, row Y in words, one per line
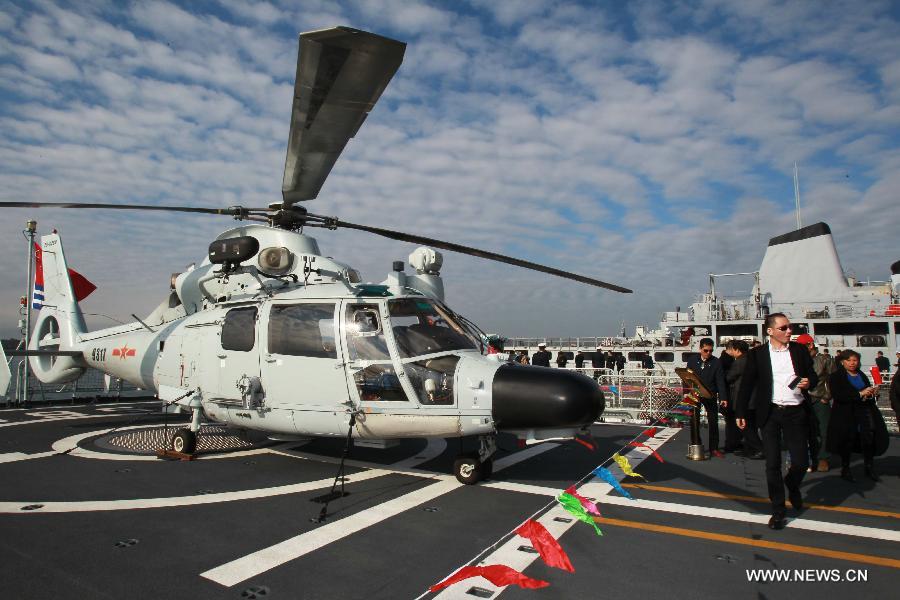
column 626, row 466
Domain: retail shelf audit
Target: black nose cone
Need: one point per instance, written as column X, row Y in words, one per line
column 533, row 397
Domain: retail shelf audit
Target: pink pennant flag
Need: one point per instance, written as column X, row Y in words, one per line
column 589, row 506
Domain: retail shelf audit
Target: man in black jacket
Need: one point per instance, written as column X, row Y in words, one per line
column 781, row 372
column 541, row 358
column 709, row 369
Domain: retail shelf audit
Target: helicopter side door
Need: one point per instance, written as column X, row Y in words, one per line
column 301, row 372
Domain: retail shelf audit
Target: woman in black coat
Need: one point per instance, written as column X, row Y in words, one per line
column 855, row 418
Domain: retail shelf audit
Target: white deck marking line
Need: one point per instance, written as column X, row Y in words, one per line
column 244, row 568
column 18, row 456
column 57, row 419
column 263, row 560
column 509, row 554
column 176, row 501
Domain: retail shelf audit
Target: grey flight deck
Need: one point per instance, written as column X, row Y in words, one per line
column 678, row 545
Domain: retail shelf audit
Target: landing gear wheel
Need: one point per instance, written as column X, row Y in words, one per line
column 468, row 470
column 184, row 441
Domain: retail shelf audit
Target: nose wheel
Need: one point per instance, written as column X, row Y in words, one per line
column 472, row 468
column 184, row 441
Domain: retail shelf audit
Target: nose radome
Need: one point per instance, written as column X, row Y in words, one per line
column 535, row 397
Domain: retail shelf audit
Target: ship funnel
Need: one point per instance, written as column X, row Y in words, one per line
column 802, row 266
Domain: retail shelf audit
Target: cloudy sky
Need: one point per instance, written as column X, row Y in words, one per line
column 642, row 143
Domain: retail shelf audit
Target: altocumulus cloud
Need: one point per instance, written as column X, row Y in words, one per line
column 647, row 144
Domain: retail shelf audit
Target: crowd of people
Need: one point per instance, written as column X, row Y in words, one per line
column 787, row 395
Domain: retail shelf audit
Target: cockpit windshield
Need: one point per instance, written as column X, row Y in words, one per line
column 423, row 327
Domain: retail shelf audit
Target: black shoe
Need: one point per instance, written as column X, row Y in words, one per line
column 796, row 499
column 777, row 522
column 846, row 475
column 871, row 474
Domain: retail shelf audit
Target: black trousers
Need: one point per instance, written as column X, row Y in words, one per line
column 733, row 435
column 791, row 424
column 712, row 417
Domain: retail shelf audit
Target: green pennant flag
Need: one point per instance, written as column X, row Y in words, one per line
column 573, row 505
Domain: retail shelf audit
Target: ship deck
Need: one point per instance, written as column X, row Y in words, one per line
column 101, row 522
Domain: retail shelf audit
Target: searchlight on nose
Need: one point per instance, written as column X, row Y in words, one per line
column 526, row 397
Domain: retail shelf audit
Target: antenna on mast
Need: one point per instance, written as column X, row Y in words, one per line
column 797, row 194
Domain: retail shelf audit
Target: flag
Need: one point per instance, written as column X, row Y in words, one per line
column 499, row 575
column 650, row 432
column 546, row 545
column 876, row 376
column 626, row 466
column 652, row 451
column 571, row 504
column 609, row 478
column 80, row 284
column 589, row 506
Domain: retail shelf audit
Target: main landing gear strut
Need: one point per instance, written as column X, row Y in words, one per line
column 185, row 439
column 476, row 466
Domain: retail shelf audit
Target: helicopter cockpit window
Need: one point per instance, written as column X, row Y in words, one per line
column 302, row 330
column 424, row 327
column 365, row 337
column 239, row 329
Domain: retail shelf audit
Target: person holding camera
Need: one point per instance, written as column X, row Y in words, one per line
column 855, row 416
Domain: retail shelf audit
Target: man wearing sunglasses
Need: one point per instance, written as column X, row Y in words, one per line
column 709, row 369
column 781, row 372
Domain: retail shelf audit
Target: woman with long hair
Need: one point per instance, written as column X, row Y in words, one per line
column 855, row 418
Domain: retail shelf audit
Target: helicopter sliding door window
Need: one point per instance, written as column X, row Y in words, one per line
column 302, row 330
column 239, row 329
column 377, row 381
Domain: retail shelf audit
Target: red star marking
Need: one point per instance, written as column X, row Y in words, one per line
column 123, row 352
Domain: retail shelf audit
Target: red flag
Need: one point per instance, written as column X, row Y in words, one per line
column 585, row 443
column 650, row 432
column 80, row 285
column 652, row 451
column 499, row 575
column 546, row 545
column 876, row 376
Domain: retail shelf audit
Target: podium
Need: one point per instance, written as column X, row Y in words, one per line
column 691, row 381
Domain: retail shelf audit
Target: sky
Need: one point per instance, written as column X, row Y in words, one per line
column 644, row 143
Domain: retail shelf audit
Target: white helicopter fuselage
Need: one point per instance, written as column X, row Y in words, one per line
column 296, row 354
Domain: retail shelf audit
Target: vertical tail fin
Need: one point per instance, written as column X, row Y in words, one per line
column 61, row 323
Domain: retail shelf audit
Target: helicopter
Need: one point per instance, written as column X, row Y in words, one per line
column 268, row 334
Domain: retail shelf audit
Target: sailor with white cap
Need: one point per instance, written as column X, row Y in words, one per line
column 541, row 358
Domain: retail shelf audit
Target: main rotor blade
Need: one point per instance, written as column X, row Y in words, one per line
column 418, row 239
column 233, row 211
column 341, row 73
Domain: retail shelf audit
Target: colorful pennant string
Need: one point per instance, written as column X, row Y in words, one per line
column 609, row 478
column 650, row 432
column 499, row 575
column 652, row 451
column 626, row 466
column 546, row 545
column 590, row 507
column 571, row 504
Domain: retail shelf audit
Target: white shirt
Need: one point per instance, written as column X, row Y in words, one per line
column 782, row 375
